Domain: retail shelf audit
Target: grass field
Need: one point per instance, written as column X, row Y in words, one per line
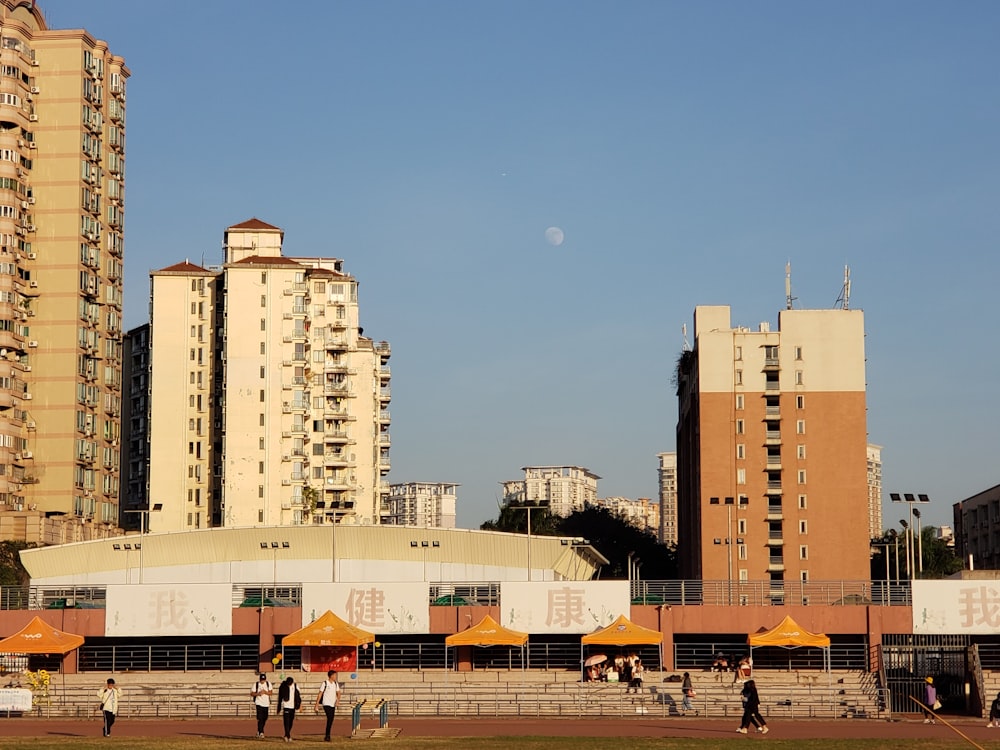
column 484, row 743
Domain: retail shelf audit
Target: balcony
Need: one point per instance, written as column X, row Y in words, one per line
column 774, row 513
column 775, row 564
column 773, row 463
column 772, row 437
column 772, row 412
column 383, row 417
column 772, row 386
column 771, row 364
column 336, row 343
column 773, row 488
column 335, row 436
column 336, row 460
column 775, row 539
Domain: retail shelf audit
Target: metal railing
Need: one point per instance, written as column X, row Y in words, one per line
column 674, row 592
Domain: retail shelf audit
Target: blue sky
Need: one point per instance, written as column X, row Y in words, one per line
column 687, row 150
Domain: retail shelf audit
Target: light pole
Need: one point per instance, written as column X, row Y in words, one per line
column 911, row 499
column 528, row 508
column 143, row 526
column 920, row 544
column 274, row 546
column 906, row 547
column 424, row 544
column 127, row 548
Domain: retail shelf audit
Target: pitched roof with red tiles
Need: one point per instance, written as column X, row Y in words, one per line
column 185, row 267
column 265, row 260
column 255, row 223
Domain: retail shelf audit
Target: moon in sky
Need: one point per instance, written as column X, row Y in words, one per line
column 554, row 236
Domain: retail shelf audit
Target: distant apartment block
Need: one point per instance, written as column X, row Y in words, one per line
column 562, row 489
column 667, row 482
column 267, row 405
column 771, row 449
column 874, row 491
column 643, row 514
column 977, row 530
column 422, row 504
column 62, row 207
column 135, row 428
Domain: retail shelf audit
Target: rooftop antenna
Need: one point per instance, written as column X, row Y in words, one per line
column 684, row 333
column 844, row 300
column 788, row 286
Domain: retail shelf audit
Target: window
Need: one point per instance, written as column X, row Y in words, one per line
column 798, row 353
column 740, row 426
column 800, row 427
column 261, row 422
column 802, row 503
column 744, row 576
column 260, row 490
column 739, row 377
column 739, row 401
column 260, row 467
column 713, row 501
column 260, row 513
column 263, row 324
column 802, row 476
column 798, row 377
column 741, row 527
column 262, row 395
column 742, row 550
column 801, row 451
column 741, row 476
column 260, row 443
column 803, row 552
column 262, row 372
column 743, row 500
column 805, row 576
column 263, row 300
column 803, row 527
column 738, row 353
column 741, row 450
column 800, row 402
column 263, row 280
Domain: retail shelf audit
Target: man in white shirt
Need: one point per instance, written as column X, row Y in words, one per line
column 329, row 697
column 261, row 694
column 110, row 696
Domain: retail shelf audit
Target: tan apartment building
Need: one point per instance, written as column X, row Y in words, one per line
column 642, row 513
column 422, row 504
column 667, row 482
column 267, row 404
column 977, row 530
column 62, row 161
column 874, row 491
column 561, row 489
column 771, row 449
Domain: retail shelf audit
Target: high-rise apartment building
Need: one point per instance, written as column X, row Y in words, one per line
column 267, row 404
column 771, row 449
column 977, row 530
column 561, row 489
column 643, row 513
column 422, row 504
column 62, row 189
column 874, row 491
column 667, row 482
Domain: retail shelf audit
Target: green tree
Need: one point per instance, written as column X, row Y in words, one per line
column 12, row 572
column 609, row 534
column 939, row 559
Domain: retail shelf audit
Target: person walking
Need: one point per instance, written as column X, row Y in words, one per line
column 329, row 698
column 289, row 701
column 751, row 709
column 995, row 712
column 930, row 700
column 261, row 693
column 688, row 690
column 110, row 696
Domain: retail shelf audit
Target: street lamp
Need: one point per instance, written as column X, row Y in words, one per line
column 906, row 546
column 274, row 547
column 528, row 508
column 143, row 527
column 424, row 544
column 127, row 548
column 911, row 499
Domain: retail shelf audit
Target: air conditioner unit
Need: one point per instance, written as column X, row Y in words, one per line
column 26, row 396
column 24, row 204
column 32, row 256
column 34, row 89
column 32, row 144
column 30, row 227
column 31, row 425
column 32, row 344
column 26, row 454
column 33, row 284
column 27, row 368
column 33, row 118
column 34, row 63
column 31, row 200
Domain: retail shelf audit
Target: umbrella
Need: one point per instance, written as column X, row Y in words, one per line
column 595, row 659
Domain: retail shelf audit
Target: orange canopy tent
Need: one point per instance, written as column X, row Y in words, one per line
column 487, row 632
column 623, row 632
column 328, row 631
column 38, row 637
column 789, row 634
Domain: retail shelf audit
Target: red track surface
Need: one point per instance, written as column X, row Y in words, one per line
column 310, row 727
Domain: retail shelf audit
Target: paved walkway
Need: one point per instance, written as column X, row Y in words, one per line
column 310, row 727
